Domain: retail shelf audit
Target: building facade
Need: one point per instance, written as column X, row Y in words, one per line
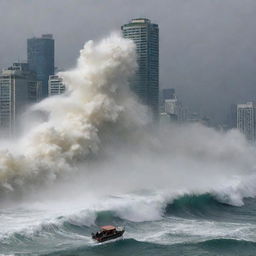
column 175, row 110
column 168, row 94
column 56, row 85
column 246, row 120
column 146, row 81
column 40, row 54
column 18, row 89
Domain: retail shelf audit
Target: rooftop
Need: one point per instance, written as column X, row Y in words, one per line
column 140, row 20
column 108, row 228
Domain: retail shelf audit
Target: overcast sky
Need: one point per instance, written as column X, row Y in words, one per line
column 207, row 47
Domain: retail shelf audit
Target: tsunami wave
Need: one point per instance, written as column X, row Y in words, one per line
column 91, row 157
column 97, row 139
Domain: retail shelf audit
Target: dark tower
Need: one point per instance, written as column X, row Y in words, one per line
column 146, row 81
column 40, row 54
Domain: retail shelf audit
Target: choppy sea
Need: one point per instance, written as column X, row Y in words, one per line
column 189, row 224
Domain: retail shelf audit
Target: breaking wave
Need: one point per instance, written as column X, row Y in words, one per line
column 225, row 228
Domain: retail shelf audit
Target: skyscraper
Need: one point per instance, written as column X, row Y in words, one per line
column 56, row 85
column 146, row 81
column 18, row 89
column 246, row 120
column 40, row 54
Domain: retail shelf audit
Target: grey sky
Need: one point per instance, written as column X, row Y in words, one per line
column 208, row 47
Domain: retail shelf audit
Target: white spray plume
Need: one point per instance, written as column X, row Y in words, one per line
column 99, row 116
column 97, row 96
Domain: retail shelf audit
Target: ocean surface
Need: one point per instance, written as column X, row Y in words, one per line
column 197, row 225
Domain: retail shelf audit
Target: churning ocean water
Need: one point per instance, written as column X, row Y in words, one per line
column 187, row 225
column 180, row 190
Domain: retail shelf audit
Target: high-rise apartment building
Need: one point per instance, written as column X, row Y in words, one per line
column 56, row 85
column 168, row 94
column 18, row 89
column 40, row 54
column 246, row 120
column 173, row 107
column 146, row 81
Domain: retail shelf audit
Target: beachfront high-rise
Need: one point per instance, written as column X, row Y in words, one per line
column 146, row 81
column 18, row 89
column 246, row 120
column 40, row 54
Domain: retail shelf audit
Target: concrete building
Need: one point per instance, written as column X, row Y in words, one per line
column 146, row 81
column 56, row 85
column 18, row 89
column 40, row 54
column 246, row 120
column 174, row 108
column 166, row 94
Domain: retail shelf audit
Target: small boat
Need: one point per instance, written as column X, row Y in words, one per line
column 108, row 233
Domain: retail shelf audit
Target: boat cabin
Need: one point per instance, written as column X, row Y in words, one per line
column 107, row 233
column 108, row 230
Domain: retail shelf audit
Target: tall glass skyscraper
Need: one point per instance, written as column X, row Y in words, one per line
column 146, row 81
column 40, row 54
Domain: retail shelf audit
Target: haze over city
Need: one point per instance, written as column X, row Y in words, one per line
column 127, row 127
column 207, row 48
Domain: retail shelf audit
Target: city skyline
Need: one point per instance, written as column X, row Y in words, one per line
column 205, row 50
column 127, row 119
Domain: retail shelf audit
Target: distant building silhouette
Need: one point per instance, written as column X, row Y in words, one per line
column 18, row 89
column 40, row 54
column 232, row 117
column 146, row 81
column 168, row 94
column 246, row 120
column 56, row 85
column 173, row 107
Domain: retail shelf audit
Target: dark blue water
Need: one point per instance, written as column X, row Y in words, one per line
column 190, row 225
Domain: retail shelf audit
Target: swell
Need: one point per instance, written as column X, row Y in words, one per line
column 72, row 232
column 203, row 206
column 128, row 247
column 206, row 206
column 61, row 233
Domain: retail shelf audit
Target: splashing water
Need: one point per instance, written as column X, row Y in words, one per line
column 97, row 96
column 164, row 182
